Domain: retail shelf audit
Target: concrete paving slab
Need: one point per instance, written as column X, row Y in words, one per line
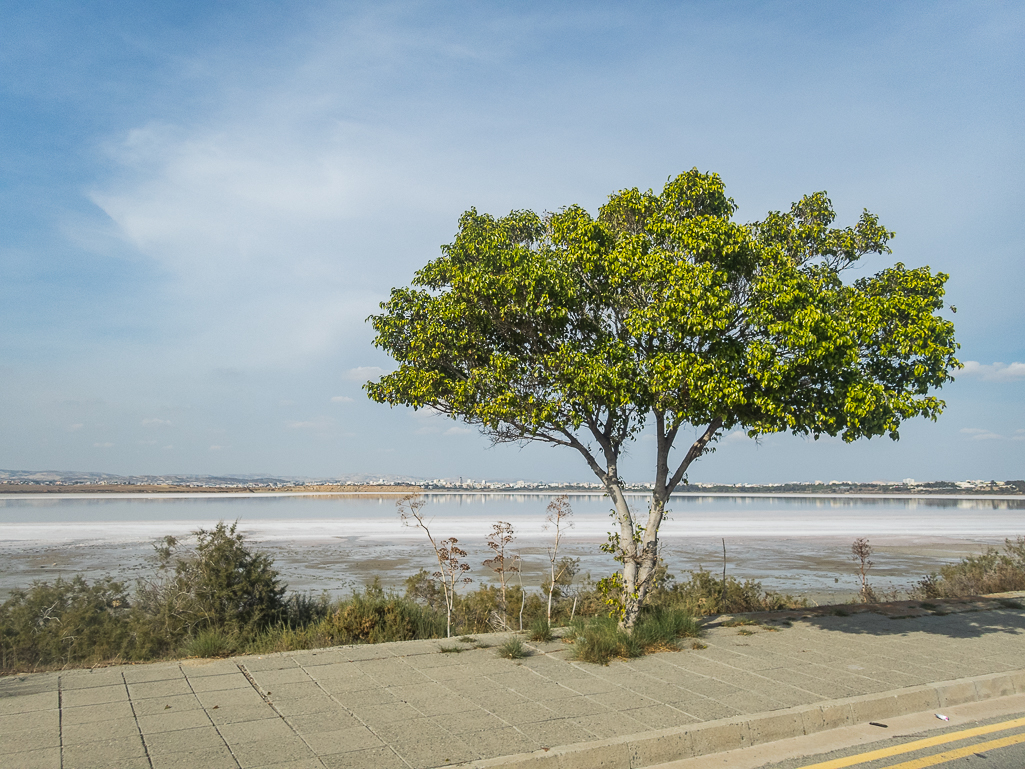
column 30, row 739
column 327, row 743
column 409, row 704
column 379, row 758
column 104, row 754
column 254, row 731
column 46, row 758
column 122, row 728
column 183, row 741
column 270, row 752
column 207, row 758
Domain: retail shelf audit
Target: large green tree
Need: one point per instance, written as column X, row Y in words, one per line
column 662, row 312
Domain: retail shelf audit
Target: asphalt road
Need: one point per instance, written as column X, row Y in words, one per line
column 996, row 743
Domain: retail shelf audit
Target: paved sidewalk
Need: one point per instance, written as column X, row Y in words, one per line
column 410, row 705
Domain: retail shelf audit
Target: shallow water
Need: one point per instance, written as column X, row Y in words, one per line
column 338, row 542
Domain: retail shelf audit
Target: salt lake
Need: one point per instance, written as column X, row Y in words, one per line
column 797, row 544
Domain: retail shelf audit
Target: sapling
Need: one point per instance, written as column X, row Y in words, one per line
column 498, row 540
column 451, row 567
column 861, row 553
column 559, row 512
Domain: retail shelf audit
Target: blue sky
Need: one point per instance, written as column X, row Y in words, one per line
column 200, row 204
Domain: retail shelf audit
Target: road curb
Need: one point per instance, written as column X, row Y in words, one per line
column 665, row 745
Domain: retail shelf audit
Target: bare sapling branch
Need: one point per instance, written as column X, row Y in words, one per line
column 498, row 540
column 559, row 512
column 451, row 566
column 861, row 552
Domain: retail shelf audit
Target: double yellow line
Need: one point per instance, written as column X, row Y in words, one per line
column 931, row 742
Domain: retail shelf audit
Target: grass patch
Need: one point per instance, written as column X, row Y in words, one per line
column 540, row 630
column 212, row 642
column 600, row 639
column 927, row 605
column 740, row 622
column 1010, row 603
column 467, row 639
column 745, row 632
column 697, row 645
column 449, row 649
column 513, row 649
column 840, row 613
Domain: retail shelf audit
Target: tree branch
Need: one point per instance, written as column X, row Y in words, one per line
column 696, row 450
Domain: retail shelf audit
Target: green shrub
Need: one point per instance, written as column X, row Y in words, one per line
column 372, row 617
column 65, row 622
column 220, row 583
column 992, row 572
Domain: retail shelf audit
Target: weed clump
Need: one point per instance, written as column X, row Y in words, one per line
column 600, row 639
column 513, row 649
column 540, row 630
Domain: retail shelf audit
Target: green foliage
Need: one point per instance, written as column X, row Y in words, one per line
column 578, row 330
column 67, row 622
column 540, row 630
column 210, row 642
column 700, row 595
column 221, row 583
column 600, row 639
column 513, row 649
column 372, row 617
column 992, row 572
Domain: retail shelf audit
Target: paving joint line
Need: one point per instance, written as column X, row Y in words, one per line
column 256, row 687
column 135, row 718
column 316, row 683
column 208, row 718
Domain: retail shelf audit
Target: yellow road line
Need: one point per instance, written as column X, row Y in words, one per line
column 953, row 755
column 909, row 747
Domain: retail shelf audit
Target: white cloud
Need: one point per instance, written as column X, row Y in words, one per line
column 363, row 373
column 980, row 434
column 215, row 447
column 154, row 422
column 74, row 427
column 341, row 399
column 318, row 423
column 103, row 445
column 458, row 431
column 994, row 372
column 146, row 443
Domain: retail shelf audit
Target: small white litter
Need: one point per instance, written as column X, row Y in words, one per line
column 942, row 717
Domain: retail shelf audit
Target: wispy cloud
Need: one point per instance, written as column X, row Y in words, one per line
column 981, row 434
column 215, row 447
column 363, row 373
column 341, row 399
column 458, row 431
column 317, row 423
column 154, row 422
column 994, row 372
column 75, row 427
column 103, row 445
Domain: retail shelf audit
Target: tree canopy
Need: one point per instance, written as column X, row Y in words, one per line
column 664, row 313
